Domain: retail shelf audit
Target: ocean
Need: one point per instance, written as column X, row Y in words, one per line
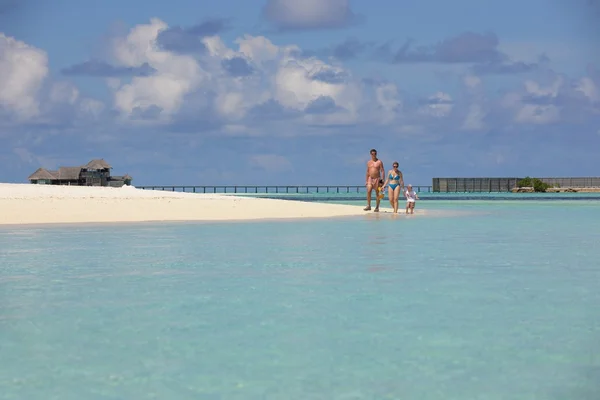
column 478, row 299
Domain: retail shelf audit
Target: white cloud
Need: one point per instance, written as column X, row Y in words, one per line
column 296, row 92
column 388, row 102
column 476, row 111
column 176, row 74
column 474, row 119
column 270, row 162
column 91, row 108
column 438, row 105
column 308, row 14
column 534, row 88
column 472, row 82
column 537, row 114
column 29, row 93
column 23, row 69
column 294, row 87
column 64, row 92
column 527, row 111
column 589, row 89
column 258, row 48
column 282, row 75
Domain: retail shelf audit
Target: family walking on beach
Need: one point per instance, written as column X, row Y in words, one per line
column 377, row 181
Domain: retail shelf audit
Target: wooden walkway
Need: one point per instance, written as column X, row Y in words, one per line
column 269, row 189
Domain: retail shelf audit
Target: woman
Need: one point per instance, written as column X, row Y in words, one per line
column 395, row 183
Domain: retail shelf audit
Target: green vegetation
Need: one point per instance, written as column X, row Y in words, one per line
column 535, row 183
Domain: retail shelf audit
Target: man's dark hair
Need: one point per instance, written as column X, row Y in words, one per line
column 373, row 150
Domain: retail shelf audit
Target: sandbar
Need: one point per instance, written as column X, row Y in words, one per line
column 27, row 204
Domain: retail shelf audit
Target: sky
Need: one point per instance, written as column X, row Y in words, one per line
column 288, row 92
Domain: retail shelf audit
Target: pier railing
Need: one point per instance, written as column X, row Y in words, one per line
column 270, row 189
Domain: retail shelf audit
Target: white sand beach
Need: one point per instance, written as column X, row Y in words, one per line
column 48, row 204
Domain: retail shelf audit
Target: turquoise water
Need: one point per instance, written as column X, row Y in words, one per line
column 479, row 300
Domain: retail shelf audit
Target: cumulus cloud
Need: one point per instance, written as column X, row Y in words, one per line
column 476, row 112
column 23, row 69
column 309, row 14
column 227, row 84
column 559, row 99
column 255, row 87
column 437, row 105
column 29, row 95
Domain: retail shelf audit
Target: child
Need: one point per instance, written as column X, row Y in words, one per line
column 411, row 199
column 380, row 191
column 379, row 194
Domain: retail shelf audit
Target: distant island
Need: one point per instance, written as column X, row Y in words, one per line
column 535, row 185
column 515, row 184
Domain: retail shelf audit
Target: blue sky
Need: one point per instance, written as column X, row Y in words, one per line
column 287, row 92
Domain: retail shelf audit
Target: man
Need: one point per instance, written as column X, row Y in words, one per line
column 375, row 172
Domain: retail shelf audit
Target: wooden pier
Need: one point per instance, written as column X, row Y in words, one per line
column 270, row 189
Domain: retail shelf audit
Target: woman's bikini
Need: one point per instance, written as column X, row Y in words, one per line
column 393, row 178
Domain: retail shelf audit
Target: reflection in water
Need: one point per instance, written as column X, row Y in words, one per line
column 384, row 247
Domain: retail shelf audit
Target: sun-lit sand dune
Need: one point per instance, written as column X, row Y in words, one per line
column 41, row 204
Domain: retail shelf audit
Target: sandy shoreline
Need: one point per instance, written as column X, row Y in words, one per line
column 26, row 204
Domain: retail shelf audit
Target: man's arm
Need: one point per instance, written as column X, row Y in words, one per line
column 367, row 175
column 382, row 170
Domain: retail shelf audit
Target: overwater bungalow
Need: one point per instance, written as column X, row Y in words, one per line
column 94, row 173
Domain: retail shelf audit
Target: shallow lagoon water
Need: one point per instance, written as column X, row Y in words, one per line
column 477, row 300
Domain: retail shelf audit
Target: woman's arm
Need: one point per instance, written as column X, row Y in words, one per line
column 386, row 180
column 401, row 180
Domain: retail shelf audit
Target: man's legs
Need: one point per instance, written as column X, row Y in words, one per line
column 369, row 189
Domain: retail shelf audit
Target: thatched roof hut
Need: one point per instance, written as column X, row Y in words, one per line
column 43, row 174
column 94, row 173
column 69, row 173
column 97, row 164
